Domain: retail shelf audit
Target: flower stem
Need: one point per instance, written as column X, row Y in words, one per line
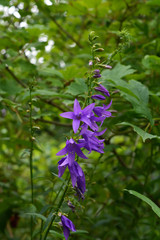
column 58, row 207
column 31, row 153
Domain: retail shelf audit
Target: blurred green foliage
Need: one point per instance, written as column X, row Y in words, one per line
column 47, row 42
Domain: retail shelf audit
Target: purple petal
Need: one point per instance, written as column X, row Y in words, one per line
column 98, row 97
column 62, row 152
column 100, row 133
column 108, row 106
column 69, row 115
column 77, row 107
column 68, row 223
column 75, row 125
column 79, row 152
column 88, row 109
column 71, row 158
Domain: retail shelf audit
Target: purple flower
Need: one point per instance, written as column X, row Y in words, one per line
column 76, row 172
column 79, row 115
column 71, row 148
column 102, row 89
column 67, row 226
column 98, row 97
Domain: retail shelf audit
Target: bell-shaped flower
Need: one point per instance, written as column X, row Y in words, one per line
column 76, row 172
column 67, row 226
column 71, row 148
column 79, row 115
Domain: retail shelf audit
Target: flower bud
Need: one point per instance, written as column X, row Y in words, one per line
column 99, row 50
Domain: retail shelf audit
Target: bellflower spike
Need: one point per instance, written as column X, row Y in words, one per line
column 79, row 115
column 71, row 148
column 98, row 97
column 102, row 89
column 67, row 226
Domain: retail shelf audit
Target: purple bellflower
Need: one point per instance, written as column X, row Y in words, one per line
column 98, row 97
column 67, row 226
column 79, row 115
column 102, row 89
column 76, row 172
column 71, row 148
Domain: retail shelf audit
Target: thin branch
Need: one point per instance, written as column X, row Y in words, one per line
column 64, row 31
column 53, row 122
column 14, row 76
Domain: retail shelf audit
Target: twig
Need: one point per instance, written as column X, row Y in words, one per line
column 53, row 122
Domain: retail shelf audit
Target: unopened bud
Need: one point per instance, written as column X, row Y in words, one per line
column 27, row 110
column 99, row 50
column 36, row 127
column 33, row 138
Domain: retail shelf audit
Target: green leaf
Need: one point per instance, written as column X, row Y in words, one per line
column 141, row 132
column 151, row 62
column 38, row 215
column 49, row 72
column 78, row 87
column 117, row 73
column 56, row 234
column 154, row 207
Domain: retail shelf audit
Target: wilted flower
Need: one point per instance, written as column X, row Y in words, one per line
column 67, row 226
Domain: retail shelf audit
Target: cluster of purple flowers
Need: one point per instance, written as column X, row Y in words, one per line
column 85, row 120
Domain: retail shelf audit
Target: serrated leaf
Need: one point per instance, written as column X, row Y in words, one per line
column 140, row 132
column 49, row 72
column 151, row 62
column 154, row 207
column 78, row 87
column 117, row 73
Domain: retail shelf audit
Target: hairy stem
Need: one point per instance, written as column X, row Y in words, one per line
column 31, row 153
column 58, row 207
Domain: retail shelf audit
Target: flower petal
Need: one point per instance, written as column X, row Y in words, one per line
column 77, row 107
column 69, row 115
column 75, row 125
column 62, row 152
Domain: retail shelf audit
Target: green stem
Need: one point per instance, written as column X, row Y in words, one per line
column 31, row 154
column 58, row 207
